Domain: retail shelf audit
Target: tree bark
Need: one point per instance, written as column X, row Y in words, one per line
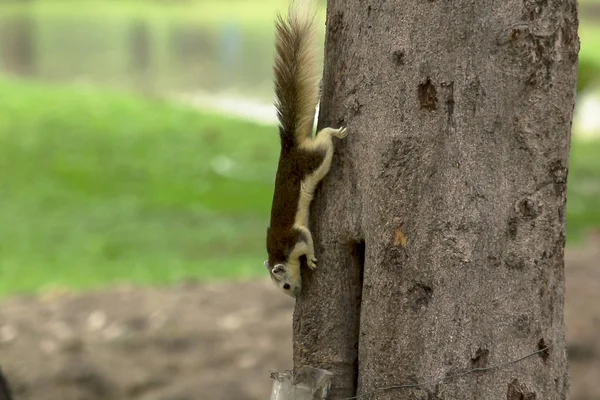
column 440, row 229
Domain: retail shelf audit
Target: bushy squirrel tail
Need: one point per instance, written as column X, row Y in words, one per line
column 296, row 74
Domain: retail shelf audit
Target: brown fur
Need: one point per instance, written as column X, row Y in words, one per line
column 294, row 166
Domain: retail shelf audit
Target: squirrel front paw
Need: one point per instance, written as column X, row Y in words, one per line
column 312, row 262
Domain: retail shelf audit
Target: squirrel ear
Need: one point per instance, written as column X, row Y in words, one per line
column 266, row 264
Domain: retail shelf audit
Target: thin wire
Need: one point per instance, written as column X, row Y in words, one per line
column 435, row 381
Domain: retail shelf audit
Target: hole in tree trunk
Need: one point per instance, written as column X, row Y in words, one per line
column 358, row 251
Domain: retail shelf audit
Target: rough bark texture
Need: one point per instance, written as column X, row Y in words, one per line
column 447, row 196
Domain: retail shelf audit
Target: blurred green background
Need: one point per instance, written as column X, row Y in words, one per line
column 126, row 154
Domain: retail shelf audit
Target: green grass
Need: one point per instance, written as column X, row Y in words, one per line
column 100, row 187
column 583, row 189
column 589, row 35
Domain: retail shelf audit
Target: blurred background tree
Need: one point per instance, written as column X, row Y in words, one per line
column 140, row 134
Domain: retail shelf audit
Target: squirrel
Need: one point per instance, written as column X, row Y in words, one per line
column 304, row 160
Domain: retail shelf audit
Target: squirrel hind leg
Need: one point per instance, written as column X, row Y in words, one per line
column 339, row 133
column 322, row 139
column 322, row 143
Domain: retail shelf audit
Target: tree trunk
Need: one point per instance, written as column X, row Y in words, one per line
column 440, row 228
column 140, row 50
column 18, row 53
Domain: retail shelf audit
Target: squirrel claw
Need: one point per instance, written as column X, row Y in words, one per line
column 341, row 132
column 312, row 263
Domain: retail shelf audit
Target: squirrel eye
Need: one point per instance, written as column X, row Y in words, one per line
column 277, row 269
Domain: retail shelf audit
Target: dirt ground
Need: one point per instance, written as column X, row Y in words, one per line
column 215, row 341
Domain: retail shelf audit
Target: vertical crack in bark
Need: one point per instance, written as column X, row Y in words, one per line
column 359, row 254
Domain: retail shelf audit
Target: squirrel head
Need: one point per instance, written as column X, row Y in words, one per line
column 286, row 276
